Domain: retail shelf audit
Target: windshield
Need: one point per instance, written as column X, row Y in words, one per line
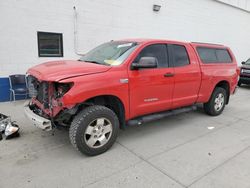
column 111, row 53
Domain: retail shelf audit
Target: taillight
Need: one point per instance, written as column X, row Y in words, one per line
column 62, row 88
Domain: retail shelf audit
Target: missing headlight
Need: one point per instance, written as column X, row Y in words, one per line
column 62, row 88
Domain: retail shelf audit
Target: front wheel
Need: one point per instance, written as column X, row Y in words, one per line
column 94, row 130
column 217, row 102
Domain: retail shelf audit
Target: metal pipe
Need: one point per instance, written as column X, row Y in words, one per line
column 75, row 33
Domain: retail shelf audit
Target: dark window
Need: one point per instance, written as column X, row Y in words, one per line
column 50, row 44
column 212, row 55
column 159, row 51
column 180, row 56
column 223, row 56
column 207, row 55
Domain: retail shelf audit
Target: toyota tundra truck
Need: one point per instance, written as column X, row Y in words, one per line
column 128, row 82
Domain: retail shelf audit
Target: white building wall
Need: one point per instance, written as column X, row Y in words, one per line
column 242, row 4
column 102, row 20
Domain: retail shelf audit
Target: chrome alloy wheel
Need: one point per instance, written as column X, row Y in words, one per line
column 219, row 102
column 98, row 133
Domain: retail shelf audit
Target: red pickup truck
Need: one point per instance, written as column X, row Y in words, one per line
column 128, row 82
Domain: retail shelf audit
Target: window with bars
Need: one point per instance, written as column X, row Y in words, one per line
column 50, row 44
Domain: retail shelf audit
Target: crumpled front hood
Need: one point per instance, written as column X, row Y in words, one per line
column 59, row 70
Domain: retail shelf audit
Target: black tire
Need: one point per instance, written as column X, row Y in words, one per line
column 210, row 106
column 239, row 84
column 83, row 120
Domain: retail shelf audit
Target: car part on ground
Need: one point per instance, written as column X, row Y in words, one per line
column 12, row 130
column 8, row 128
column 4, row 121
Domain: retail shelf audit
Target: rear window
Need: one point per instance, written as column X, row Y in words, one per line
column 212, row 55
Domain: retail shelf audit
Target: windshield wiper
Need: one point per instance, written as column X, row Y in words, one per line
column 96, row 62
column 92, row 62
column 89, row 61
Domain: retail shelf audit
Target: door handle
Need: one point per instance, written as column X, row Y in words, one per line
column 168, row 75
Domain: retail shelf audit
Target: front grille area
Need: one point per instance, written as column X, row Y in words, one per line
column 38, row 90
column 246, row 71
column 43, row 94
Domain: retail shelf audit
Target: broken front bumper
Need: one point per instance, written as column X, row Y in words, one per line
column 38, row 121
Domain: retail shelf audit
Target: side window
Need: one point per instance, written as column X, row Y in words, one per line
column 159, row 51
column 212, row 55
column 223, row 56
column 207, row 55
column 180, row 56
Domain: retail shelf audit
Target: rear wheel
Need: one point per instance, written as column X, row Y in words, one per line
column 239, row 84
column 217, row 102
column 94, row 130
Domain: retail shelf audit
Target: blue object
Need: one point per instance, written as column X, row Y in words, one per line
column 4, row 89
column 18, row 86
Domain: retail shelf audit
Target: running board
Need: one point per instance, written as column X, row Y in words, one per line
column 160, row 115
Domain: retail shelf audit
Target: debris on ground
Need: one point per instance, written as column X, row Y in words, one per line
column 3, row 122
column 210, row 128
column 11, row 131
column 8, row 128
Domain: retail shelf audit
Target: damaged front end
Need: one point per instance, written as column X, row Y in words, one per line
column 46, row 109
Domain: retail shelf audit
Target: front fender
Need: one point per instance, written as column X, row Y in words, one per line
column 86, row 87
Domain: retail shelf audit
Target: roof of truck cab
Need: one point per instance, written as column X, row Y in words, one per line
column 145, row 40
column 195, row 44
column 207, row 45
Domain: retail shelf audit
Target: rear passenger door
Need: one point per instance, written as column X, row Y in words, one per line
column 187, row 76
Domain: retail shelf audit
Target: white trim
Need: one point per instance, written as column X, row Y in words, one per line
column 234, row 6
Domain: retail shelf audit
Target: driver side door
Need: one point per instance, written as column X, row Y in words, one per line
column 151, row 89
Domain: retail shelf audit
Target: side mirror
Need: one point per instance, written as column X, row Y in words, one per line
column 243, row 62
column 145, row 62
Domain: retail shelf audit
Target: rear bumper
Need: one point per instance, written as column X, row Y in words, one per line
column 38, row 121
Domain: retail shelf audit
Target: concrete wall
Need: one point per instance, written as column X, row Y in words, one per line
column 102, row 20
